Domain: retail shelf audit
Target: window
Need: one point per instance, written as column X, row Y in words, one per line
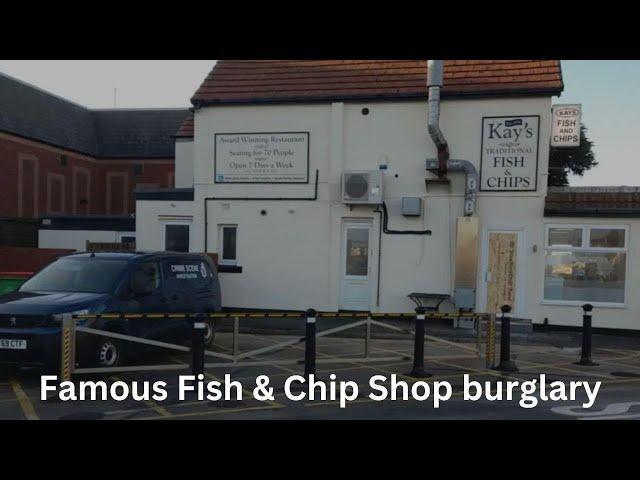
column 228, row 245
column 127, row 237
column 81, row 274
column 176, row 238
column 585, row 264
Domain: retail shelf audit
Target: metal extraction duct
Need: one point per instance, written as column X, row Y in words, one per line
column 471, row 181
column 466, row 253
column 435, row 79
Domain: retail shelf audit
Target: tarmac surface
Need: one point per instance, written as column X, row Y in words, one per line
column 448, row 360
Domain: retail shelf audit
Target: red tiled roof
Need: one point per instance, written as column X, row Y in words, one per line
column 186, row 129
column 248, row 81
column 593, row 201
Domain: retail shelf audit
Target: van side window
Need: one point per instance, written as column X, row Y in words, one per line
column 150, row 270
column 189, row 274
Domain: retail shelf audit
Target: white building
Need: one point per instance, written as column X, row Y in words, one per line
column 259, row 181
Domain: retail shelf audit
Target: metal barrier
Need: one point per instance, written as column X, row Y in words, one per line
column 240, row 359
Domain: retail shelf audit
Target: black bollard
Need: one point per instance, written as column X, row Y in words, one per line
column 418, row 346
column 310, row 344
column 585, row 357
column 197, row 346
column 506, row 364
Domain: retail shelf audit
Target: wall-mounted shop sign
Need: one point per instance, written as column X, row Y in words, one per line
column 509, row 158
column 261, row 157
column 565, row 125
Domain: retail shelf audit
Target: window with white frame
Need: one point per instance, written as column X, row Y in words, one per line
column 585, row 263
column 228, row 238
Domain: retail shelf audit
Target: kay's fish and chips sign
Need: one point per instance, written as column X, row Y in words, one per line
column 565, row 125
column 509, row 160
column 262, row 157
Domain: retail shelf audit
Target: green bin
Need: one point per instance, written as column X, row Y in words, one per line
column 10, row 281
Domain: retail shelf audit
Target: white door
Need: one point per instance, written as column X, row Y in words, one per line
column 355, row 291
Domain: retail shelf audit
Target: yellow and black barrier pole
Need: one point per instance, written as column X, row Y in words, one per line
column 491, row 341
column 67, row 348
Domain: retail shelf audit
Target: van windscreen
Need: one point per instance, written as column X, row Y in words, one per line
column 81, row 275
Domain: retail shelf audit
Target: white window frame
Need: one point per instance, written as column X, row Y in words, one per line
column 164, row 232
column 586, row 227
column 221, row 260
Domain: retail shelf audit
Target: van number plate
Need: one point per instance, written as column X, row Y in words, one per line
column 11, row 344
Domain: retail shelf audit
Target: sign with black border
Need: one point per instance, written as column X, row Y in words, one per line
column 261, row 157
column 509, row 153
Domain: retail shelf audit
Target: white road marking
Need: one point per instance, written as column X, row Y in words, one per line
column 613, row 411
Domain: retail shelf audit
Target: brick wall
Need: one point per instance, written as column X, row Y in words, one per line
column 39, row 180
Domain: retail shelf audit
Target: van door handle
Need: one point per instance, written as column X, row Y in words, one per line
column 174, row 297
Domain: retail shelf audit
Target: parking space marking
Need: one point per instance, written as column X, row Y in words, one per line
column 283, row 368
column 25, row 404
column 493, row 373
column 213, row 377
column 367, row 400
column 570, row 370
column 159, row 409
column 214, row 412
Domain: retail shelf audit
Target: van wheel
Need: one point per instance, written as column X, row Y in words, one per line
column 209, row 333
column 109, row 353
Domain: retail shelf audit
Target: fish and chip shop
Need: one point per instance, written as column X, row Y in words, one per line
column 348, row 185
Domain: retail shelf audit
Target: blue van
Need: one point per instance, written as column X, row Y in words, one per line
column 91, row 283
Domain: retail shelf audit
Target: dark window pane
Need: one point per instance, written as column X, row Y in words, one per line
column 606, row 238
column 357, row 252
column 176, row 238
column 91, row 275
column 229, row 243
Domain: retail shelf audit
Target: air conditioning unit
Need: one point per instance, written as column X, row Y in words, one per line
column 362, row 187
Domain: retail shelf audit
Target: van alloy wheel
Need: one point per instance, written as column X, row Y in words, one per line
column 108, row 353
column 209, row 333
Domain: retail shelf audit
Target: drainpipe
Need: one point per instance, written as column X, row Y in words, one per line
column 435, row 75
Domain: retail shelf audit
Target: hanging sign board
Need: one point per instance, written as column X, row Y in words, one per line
column 261, row 157
column 509, row 158
column 565, row 125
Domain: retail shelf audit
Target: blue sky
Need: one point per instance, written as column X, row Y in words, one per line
column 608, row 91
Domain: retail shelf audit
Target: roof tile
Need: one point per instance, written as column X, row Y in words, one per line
column 245, row 81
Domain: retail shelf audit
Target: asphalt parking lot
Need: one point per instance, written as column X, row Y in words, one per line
column 618, row 370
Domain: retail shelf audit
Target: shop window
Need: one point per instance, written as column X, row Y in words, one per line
column 585, row 264
column 228, row 245
column 176, row 238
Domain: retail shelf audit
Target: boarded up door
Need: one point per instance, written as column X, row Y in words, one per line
column 501, row 271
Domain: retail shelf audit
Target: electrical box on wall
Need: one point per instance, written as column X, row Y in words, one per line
column 411, row 206
column 364, row 187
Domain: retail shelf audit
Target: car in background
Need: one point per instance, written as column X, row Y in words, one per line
column 98, row 283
